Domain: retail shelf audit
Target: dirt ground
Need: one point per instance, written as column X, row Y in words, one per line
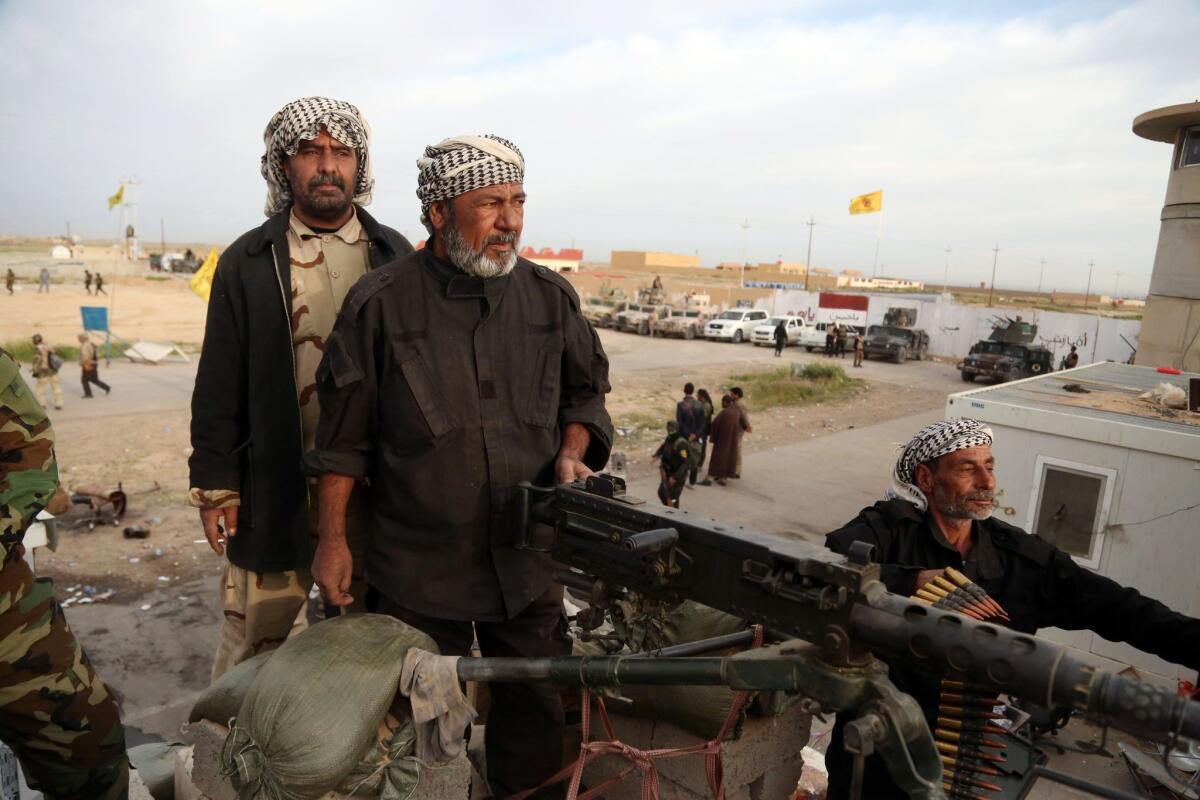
column 157, row 308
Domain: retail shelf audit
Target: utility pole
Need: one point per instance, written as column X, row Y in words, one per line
column 992, row 288
column 946, row 275
column 1041, row 272
column 162, row 234
column 1088, row 292
column 69, row 239
column 1116, row 287
column 808, row 258
column 745, row 227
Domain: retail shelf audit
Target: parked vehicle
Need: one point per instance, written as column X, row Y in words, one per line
column 686, row 323
column 812, row 337
column 764, row 334
column 640, row 318
column 896, row 343
column 602, row 311
column 735, row 325
column 1008, row 354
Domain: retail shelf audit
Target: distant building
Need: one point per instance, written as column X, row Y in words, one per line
column 565, row 260
column 648, row 260
column 892, row 284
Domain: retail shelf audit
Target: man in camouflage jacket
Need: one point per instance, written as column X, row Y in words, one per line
column 55, row 713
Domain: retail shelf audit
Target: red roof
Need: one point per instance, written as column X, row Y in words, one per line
column 566, row 254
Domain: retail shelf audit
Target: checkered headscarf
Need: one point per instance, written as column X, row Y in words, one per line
column 933, row 441
column 464, row 163
column 301, row 120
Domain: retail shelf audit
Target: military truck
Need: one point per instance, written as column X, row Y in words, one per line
column 1008, row 354
column 895, row 343
column 641, row 316
column 685, row 321
column 603, row 309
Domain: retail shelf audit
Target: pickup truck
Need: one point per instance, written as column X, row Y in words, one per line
column 735, row 325
column 812, row 337
column 764, row 334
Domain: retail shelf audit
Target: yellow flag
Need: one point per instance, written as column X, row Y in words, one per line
column 117, row 198
column 201, row 282
column 867, row 203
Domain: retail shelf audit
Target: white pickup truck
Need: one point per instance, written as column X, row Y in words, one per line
column 813, row 336
column 735, row 325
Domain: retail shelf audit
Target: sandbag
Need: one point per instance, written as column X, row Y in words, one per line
column 649, row 626
column 220, row 702
column 313, row 710
column 389, row 771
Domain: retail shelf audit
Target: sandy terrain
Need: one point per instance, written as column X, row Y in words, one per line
column 158, row 308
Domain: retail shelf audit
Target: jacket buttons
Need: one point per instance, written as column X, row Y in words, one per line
column 541, row 270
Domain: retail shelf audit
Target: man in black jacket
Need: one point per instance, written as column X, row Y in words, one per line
column 452, row 376
column 938, row 515
column 274, row 299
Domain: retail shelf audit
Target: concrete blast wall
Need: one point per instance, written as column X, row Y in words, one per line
column 953, row 328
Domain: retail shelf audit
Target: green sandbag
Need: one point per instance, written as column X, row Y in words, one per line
column 389, row 771
column 220, row 702
column 697, row 709
column 313, row 710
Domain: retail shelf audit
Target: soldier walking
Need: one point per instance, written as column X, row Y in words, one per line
column 90, row 367
column 46, row 364
column 44, row 281
column 55, row 712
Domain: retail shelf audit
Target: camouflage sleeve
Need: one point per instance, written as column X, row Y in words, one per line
column 28, row 472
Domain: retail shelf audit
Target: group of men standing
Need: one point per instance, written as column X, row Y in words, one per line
column 696, row 427
column 363, row 412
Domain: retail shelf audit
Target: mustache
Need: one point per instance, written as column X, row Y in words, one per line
column 327, row 180
column 501, row 238
column 983, row 495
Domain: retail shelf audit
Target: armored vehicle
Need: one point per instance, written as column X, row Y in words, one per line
column 1008, row 354
column 602, row 310
column 640, row 317
column 686, row 321
column 898, row 344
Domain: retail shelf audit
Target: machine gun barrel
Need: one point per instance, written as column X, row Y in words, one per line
column 836, row 603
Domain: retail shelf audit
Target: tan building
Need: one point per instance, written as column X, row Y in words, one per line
column 1170, row 334
column 648, row 261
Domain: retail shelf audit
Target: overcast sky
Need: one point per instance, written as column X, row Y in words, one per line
column 646, row 125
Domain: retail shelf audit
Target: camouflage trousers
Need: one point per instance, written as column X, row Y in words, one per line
column 43, row 394
column 262, row 609
column 55, row 713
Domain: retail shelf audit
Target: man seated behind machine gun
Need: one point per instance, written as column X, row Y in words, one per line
column 837, row 614
column 937, row 515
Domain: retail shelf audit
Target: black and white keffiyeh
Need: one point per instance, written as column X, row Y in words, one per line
column 301, row 120
column 933, row 441
column 464, row 163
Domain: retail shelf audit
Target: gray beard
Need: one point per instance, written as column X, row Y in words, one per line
column 957, row 508
column 474, row 262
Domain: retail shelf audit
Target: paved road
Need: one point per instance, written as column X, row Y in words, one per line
column 144, row 388
column 136, row 388
column 627, row 351
column 792, row 490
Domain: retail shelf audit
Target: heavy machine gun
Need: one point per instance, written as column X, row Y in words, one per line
column 608, row 544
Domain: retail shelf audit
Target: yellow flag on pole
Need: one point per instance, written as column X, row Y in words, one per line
column 117, row 198
column 201, row 283
column 867, row 203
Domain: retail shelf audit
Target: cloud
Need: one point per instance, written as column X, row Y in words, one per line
column 658, row 125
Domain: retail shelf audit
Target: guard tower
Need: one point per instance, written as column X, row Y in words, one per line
column 1171, row 326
